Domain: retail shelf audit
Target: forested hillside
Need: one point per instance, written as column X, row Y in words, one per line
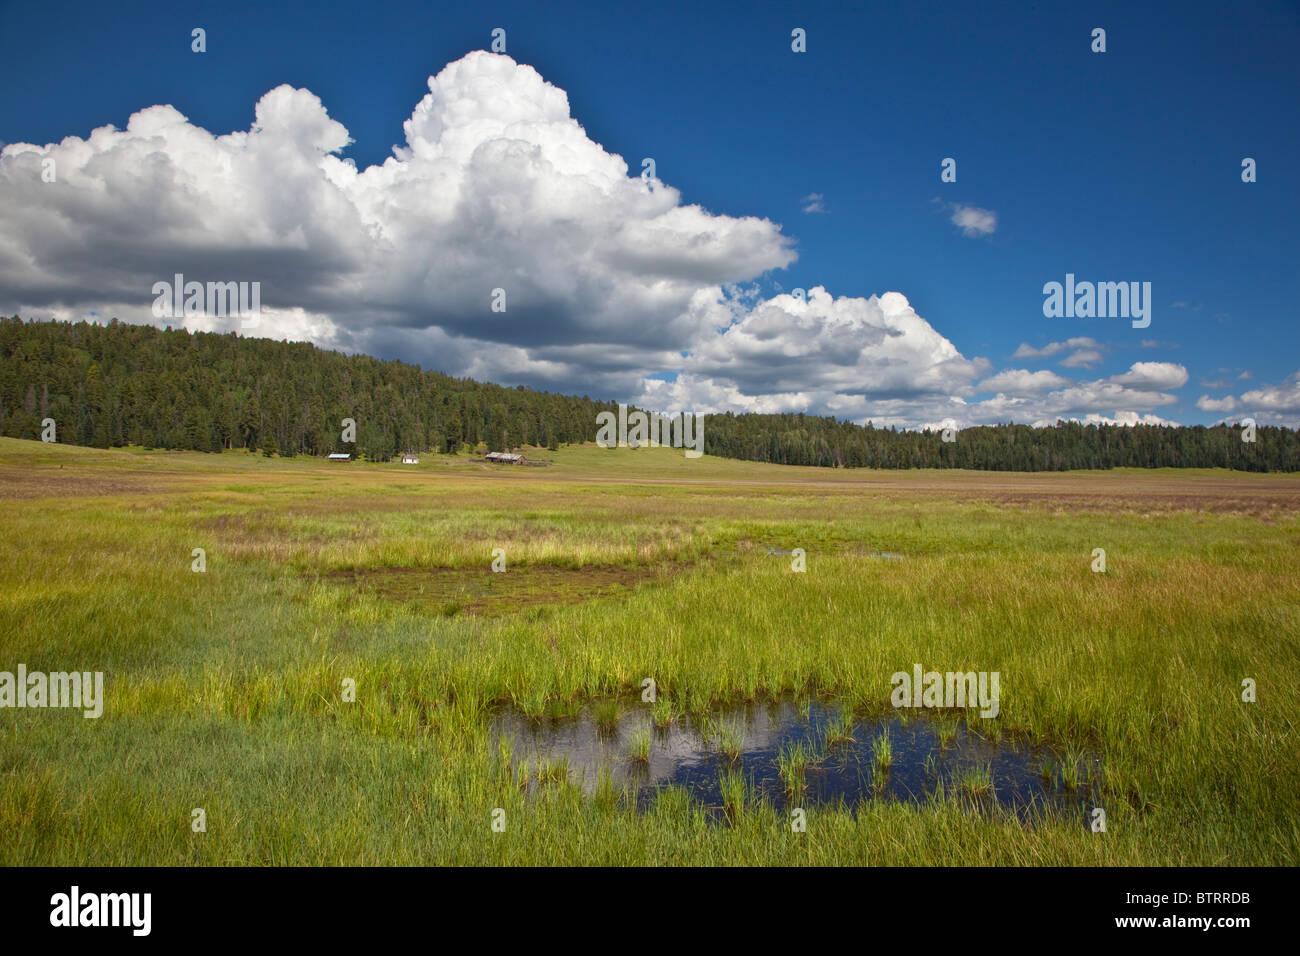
column 118, row 384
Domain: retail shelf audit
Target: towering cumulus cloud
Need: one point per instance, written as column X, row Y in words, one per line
column 496, row 187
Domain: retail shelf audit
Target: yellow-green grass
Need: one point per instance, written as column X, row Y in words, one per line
column 224, row 688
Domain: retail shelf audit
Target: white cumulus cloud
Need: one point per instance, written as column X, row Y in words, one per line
column 1153, row 375
column 1207, row 404
column 1021, row 381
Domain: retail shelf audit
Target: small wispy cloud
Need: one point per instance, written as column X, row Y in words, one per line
column 973, row 221
column 813, row 202
column 1055, row 348
column 1084, row 358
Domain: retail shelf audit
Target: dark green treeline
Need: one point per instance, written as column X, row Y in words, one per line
column 118, row 384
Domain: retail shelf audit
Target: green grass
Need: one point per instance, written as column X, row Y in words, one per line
column 882, row 753
column 792, row 763
column 662, row 712
column 945, row 728
column 839, row 728
column 639, row 746
column 606, row 713
column 224, row 688
column 1047, row 773
column 1070, row 769
column 977, row 781
column 735, row 794
column 730, row 738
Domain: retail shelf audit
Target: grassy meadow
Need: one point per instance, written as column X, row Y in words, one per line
column 223, row 688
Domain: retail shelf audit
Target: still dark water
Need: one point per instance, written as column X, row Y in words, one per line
column 930, row 755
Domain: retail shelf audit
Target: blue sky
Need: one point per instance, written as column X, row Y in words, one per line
column 1115, row 166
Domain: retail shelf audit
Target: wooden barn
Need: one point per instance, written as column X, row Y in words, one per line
column 504, row 458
